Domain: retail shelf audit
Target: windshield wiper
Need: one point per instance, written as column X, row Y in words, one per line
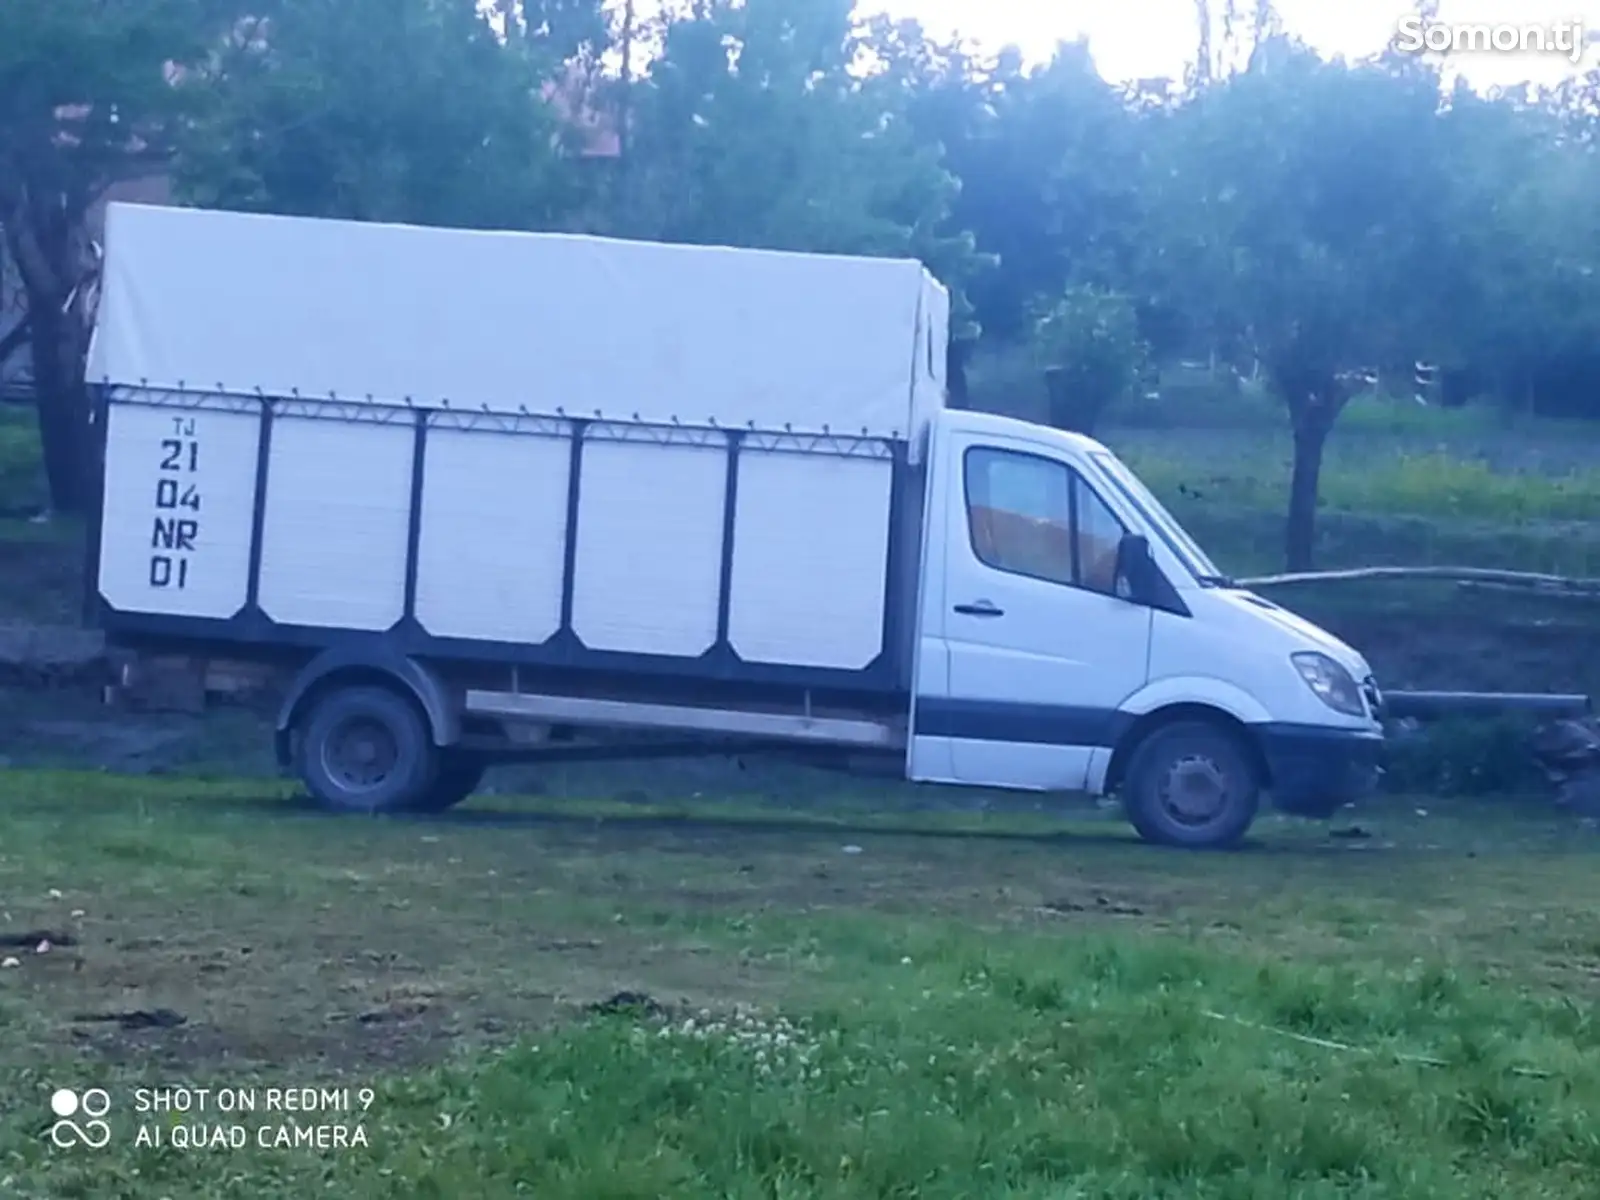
column 1217, row 581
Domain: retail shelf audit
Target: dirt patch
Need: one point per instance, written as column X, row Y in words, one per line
column 342, row 974
column 43, row 579
column 278, row 939
column 194, row 928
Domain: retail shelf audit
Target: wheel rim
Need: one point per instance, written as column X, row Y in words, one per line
column 360, row 754
column 1195, row 790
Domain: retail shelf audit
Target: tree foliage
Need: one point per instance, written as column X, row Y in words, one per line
column 1092, row 352
column 1300, row 207
column 382, row 110
column 1311, row 218
column 88, row 98
column 753, row 128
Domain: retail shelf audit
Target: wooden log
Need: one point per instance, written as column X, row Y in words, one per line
column 1524, row 579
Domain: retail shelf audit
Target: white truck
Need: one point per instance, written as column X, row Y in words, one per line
column 490, row 495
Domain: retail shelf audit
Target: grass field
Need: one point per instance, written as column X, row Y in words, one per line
column 1038, row 1010
column 1401, row 483
column 21, row 476
column 1456, row 489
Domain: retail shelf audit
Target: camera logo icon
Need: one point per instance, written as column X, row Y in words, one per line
column 92, row 1104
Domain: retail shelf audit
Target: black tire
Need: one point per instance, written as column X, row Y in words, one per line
column 459, row 776
column 1177, row 758
column 367, row 750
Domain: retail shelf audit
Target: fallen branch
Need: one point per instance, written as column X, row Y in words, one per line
column 1481, row 575
column 1549, row 592
column 1328, row 1044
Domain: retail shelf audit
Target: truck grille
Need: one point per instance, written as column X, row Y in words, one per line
column 1374, row 698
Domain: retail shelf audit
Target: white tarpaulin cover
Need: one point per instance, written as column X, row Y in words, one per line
column 518, row 322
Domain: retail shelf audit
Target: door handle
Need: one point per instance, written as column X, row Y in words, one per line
column 983, row 608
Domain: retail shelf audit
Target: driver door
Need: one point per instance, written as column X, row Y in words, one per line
column 1038, row 649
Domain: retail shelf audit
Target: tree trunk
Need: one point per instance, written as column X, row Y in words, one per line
column 1315, row 398
column 955, row 373
column 43, row 238
column 63, row 409
column 1300, row 532
column 1074, row 404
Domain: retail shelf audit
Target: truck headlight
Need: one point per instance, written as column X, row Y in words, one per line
column 1334, row 685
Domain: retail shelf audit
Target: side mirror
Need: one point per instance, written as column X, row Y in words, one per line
column 1138, row 578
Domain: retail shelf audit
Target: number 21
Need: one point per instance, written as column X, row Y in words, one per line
column 173, row 449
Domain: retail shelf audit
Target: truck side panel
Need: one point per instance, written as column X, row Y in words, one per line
column 740, row 557
column 809, row 584
column 180, row 491
column 508, row 487
column 333, row 548
column 649, row 538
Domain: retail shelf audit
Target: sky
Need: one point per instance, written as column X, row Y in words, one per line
column 1133, row 39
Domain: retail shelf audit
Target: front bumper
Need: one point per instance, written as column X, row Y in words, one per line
column 1314, row 770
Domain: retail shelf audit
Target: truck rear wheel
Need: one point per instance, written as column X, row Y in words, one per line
column 459, row 776
column 367, row 749
column 1192, row 784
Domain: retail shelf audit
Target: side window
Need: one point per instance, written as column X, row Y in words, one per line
column 1033, row 516
column 1098, row 534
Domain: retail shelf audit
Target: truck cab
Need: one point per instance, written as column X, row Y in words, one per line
column 1072, row 636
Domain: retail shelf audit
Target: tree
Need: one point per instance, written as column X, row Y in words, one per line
column 936, row 88
column 418, row 111
column 1049, row 167
column 90, row 99
column 1524, row 226
column 1093, row 354
column 1300, row 216
column 752, row 128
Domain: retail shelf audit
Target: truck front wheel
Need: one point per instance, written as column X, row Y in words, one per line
column 366, row 749
column 1192, row 784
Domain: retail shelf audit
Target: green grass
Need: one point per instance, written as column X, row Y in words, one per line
column 1250, row 541
column 1197, row 403
column 1100, row 1068
column 21, row 481
column 1401, row 483
column 1432, row 483
column 1037, row 1009
column 1386, row 499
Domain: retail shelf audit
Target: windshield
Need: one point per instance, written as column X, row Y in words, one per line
column 1158, row 518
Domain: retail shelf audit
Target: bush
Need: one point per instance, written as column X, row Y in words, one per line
column 1464, row 757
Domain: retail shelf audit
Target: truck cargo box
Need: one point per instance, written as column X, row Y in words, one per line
column 547, row 449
